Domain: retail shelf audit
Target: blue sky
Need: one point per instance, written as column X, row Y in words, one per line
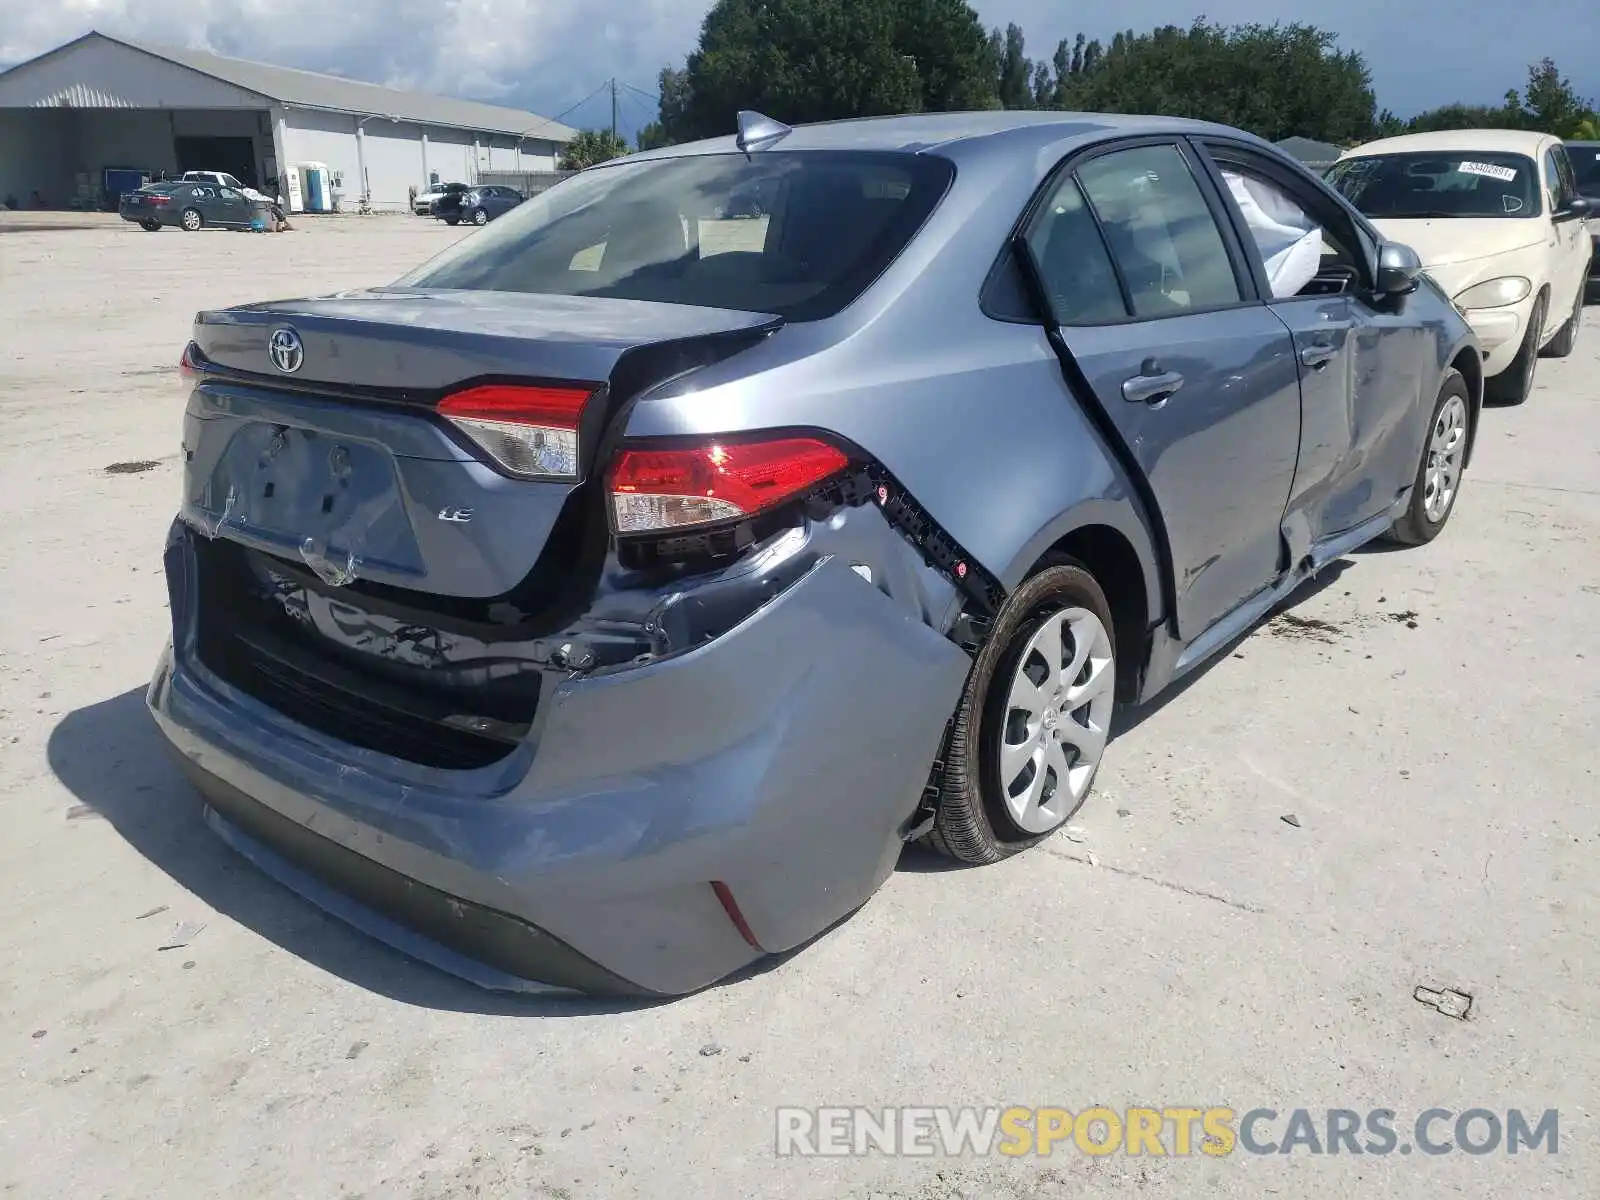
column 547, row 55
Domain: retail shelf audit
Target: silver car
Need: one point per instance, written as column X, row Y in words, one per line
column 603, row 605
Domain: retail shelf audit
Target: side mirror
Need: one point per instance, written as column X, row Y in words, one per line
column 1398, row 268
column 1577, row 208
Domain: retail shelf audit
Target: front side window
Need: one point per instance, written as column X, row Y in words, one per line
column 797, row 234
column 1569, row 182
column 1288, row 239
column 1420, row 186
column 1161, row 231
column 1585, row 160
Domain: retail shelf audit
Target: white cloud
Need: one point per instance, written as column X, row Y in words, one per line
column 540, row 54
column 545, row 55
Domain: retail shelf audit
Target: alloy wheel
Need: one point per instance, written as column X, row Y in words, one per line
column 1445, row 446
column 1057, row 718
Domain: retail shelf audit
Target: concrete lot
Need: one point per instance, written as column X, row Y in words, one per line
column 1428, row 717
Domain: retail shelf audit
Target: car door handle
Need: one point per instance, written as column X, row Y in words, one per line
column 1318, row 355
column 1151, row 387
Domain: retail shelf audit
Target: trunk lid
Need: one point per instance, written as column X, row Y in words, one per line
column 331, row 454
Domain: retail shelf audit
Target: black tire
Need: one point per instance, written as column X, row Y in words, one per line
column 480, row 217
column 973, row 825
column 1416, row 528
column 188, row 225
column 150, row 225
column 1515, row 383
column 452, row 220
column 1566, row 339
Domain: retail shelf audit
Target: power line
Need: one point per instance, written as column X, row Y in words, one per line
column 586, row 99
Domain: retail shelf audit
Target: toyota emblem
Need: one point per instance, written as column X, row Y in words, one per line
column 286, row 351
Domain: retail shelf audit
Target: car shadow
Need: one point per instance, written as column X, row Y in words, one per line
column 113, row 759
column 1130, row 718
column 918, row 859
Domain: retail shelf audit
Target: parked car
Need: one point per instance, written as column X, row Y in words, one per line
column 217, row 179
column 1498, row 220
column 188, row 206
column 606, row 602
column 479, row 206
column 1585, row 159
column 425, row 202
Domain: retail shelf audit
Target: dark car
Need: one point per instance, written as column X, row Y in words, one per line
column 479, row 206
column 604, row 603
column 424, row 204
column 1585, row 159
column 187, row 205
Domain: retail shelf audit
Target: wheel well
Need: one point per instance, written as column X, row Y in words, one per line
column 1109, row 557
column 1471, row 367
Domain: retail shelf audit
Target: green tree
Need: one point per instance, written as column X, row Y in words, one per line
column 1275, row 80
column 1547, row 103
column 1506, row 115
column 592, row 146
column 1551, row 104
column 818, row 60
column 1013, row 69
column 674, row 91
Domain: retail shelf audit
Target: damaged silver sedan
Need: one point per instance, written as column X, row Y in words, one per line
column 603, row 605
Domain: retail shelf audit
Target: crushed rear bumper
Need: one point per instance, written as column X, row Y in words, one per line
column 778, row 761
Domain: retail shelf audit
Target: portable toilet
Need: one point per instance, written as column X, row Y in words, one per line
column 316, row 186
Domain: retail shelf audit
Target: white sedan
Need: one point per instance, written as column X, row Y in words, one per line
column 1497, row 219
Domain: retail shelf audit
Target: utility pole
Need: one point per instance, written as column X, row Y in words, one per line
column 613, row 110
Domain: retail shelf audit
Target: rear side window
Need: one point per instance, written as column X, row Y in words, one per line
column 798, row 234
column 1073, row 264
column 1161, row 231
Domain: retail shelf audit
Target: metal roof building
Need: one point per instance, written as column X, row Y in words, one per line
column 101, row 103
column 1316, row 155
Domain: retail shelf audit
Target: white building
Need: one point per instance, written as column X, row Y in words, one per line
column 102, row 102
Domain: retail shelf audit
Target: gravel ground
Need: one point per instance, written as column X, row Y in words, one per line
column 1426, row 717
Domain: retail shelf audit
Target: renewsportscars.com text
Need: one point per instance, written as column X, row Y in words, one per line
column 1167, row 1131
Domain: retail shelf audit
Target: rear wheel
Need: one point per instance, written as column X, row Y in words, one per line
column 1032, row 724
column 1567, row 338
column 191, row 219
column 480, row 217
column 1515, row 383
column 150, row 225
column 1438, row 481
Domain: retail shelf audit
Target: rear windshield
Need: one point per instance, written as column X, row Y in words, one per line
column 1585, row 158
column 1457, row 184
column 798, row 234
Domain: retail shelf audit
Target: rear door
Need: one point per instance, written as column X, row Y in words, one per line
column 232, row 207
column 203, row 197
column 1361, row 362
column 1193, row 376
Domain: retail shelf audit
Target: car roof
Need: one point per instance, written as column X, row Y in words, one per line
column 1483, row 141
column 923, row 132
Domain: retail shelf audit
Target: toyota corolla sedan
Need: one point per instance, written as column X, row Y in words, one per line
column 1498, row 219
column 604, row 604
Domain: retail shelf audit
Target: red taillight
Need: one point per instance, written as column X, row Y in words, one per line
column 159, row 200
column 530, row 431
column 188, row 367
column 661, row 490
